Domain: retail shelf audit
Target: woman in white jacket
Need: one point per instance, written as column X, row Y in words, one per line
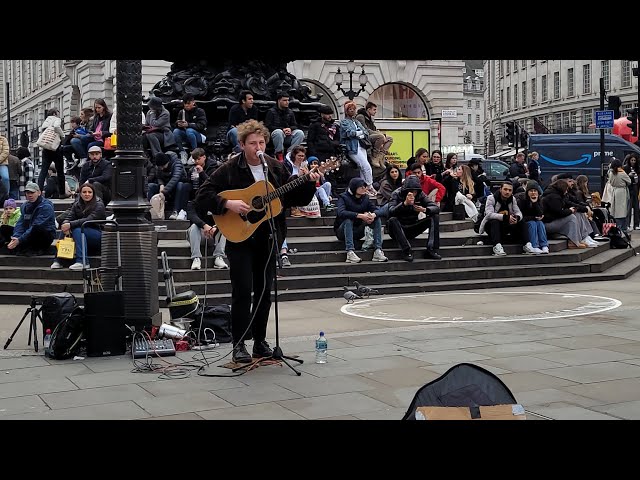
column 52, row 156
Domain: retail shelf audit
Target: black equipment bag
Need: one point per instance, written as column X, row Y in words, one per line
column 459, row 212
column 218, row 319
column 617, row 238
column 65, row 339
column 55, row 308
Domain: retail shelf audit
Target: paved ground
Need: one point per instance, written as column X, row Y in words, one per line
column 566, row 352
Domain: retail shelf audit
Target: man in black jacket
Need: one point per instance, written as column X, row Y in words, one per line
column 203, row 227
column 98, row 172
column 282, row 122
column 241, row 112
column 323, row 138
column 190, row 126
column 252, row 261
column 171, row 183
column 403, row 223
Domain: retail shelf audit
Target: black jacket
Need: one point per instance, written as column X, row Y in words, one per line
column 278, row 118
column 196, row 118
column 554, row 204
column 529, row 209
column 517, row 170
column 407, row 214
column 76, row 215
column 106, row 123
column 366, row 120
column 319, row 141
column 100, row 172
column 171, row 176
column 237, row 115
column 195, row 218
column 349, row 206
column 236, row 174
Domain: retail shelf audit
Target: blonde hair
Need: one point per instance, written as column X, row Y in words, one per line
column 466, row 179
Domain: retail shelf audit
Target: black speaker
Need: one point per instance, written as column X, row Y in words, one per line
column 104, row 320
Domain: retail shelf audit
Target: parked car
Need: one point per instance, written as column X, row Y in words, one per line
column 497, row 171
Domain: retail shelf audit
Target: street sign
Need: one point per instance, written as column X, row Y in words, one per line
column 604, row 118
column 449, row 114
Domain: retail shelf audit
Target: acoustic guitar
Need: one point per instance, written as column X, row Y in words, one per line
column 238, row 227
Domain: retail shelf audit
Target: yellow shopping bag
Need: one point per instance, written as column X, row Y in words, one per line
column 66, row 248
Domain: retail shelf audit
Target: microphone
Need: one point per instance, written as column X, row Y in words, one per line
column 260, row 155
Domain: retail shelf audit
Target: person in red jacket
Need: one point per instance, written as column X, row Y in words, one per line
column 433, row 189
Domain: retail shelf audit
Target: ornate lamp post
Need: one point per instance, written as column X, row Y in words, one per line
column 138, row 238
column 362, row 78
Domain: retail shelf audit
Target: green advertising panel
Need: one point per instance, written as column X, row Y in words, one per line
column 405, row 143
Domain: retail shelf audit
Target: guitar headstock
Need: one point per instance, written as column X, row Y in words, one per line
column 329, row 165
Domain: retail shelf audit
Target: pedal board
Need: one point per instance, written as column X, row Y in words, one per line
column 141, row 347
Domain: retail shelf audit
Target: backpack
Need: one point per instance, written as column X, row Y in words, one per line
column 616, row 238
column 218, row 319
column 65, row 339
column 55, row 308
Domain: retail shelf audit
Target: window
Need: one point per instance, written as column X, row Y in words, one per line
column 501, row 68
column 477, row 119
column 59, row 67
column 626, row 74
column 556, row 85
column 478, row 138
column 477, row 104
column 398, row 101
column 515, row 96
column 34, row 76
column 565, row 121
column 46, row 75
column 24, row 79
column 570, row 83
column 468, row 103
column 545, row 95
column 586, row 78
column 572, row 120
column 533, row 62
column 558, row 121
column 498, row 169
column 508, row 98
column 515, row 66
column 587, row 115
column 501, row 100
column 524, row 64
column 508, row 66
column 605, row 74
column 524, row 94
column 468, row 119
column 534, row 93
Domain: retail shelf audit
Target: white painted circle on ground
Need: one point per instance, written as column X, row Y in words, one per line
column 476, row 307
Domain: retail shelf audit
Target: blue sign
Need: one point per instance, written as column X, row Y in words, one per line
column 604, row 118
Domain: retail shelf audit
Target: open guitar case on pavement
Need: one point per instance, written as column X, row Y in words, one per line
column 105, row 329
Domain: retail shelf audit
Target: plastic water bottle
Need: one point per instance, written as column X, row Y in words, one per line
column 321, row 349
column 47, row 342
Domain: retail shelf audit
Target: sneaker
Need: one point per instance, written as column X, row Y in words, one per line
column 184, row 157
column 544, row 250
column 352, row 257
column 527, row 249
column 407, row 256
column 498, row 250
column 536, row 250
column 589, row 242
column 330, row 207
column 196, row 264
column 173, row 216
column 219, row 263
column 76, row 266
column 378, row 256
column 56, row 264
column 111, row 217
column 296, row 212
column 182, row 215
column 285, row 261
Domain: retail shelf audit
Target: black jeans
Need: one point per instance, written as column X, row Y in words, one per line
column 498, row 231
column 252, row 266
column 39, row 241
column 49, row 156
column 5, row 233
column 403, row 233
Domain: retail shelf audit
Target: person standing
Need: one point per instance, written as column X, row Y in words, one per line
column 52, row 156
column 252, row 261
column 4, row 162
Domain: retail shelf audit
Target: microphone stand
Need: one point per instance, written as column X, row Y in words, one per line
column 277, row 351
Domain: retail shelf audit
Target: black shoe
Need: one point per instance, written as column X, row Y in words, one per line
column 408, row 256
column 240, row 354
column 261, row 349
column 432, row 254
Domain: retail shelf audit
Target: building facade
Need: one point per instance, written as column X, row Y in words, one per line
column 551, row 96
column 473, row 105
column 410, row 94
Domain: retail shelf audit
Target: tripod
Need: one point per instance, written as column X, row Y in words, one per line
column 33, row 327
column 277, row 351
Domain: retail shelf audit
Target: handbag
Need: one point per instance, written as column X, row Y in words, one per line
column 157, row 207
column 66, row 248
column 108, row 144
column 607, row 194
column 49, row 139
column 365, row 143
column 312, row 209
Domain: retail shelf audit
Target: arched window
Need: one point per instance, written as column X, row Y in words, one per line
column 399, row 102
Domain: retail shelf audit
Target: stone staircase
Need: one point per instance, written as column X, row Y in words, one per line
column 319, row 271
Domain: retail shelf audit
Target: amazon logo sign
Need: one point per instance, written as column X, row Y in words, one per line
column 584, row 159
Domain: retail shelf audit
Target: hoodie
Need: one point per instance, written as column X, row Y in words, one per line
column 406, row 213
column 349, row 206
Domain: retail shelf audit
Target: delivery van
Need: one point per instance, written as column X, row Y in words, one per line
column 578, row 154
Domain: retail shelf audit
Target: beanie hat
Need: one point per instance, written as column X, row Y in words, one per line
column 532, row 185
column 356, row 183
column 161, row 159
column 154, row 103
column 9, row 203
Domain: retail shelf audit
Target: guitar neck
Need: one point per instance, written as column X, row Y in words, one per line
column 287, row 187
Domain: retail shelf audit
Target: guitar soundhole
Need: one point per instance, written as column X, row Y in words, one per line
column 257, row 203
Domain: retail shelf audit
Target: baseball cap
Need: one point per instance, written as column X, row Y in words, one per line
column 32, row 187
column 95, row 148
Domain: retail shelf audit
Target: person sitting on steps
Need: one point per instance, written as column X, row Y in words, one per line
column 190, row 126
column 241, row 112
column 503, row 217
column 381, row 142
column 203, row 227
column 281, row 121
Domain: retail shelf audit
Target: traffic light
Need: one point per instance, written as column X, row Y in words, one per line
column 511, row 131
column 523, row 137
column 614, row 104
column 633, row 121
